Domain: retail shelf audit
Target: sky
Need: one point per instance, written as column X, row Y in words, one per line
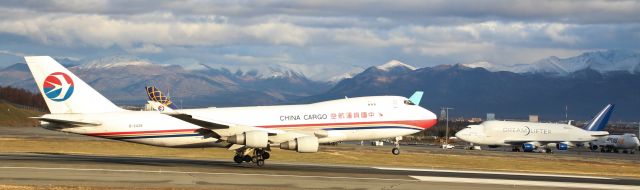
column 319, row 38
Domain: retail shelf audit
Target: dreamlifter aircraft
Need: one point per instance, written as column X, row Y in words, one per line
column 250, row 131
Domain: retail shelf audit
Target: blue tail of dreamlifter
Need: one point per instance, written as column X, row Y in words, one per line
column 416, row 97
column 599, row 122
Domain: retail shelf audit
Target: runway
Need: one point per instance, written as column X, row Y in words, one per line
column 114, row 171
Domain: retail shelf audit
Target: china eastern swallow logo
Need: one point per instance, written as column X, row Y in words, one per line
column 58, row 86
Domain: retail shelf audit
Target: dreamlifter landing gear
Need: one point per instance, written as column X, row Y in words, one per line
column 255, row 155
column 396, row 144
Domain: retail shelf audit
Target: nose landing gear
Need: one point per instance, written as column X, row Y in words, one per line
column 395, row 151
column 396, row 144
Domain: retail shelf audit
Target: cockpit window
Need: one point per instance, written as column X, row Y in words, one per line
column 408, row 102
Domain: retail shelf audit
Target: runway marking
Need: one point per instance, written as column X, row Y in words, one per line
column 498, row 173
column 206, row 173
column 525, row 183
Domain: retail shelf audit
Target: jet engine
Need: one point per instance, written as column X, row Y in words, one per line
column 305, row 144
column 252, row 139
column 528, row 147
column 562, row 146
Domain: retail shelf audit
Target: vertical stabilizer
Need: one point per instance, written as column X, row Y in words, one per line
column 63, row 91
column 154, row 94
column 599, row 122
column 416, row 97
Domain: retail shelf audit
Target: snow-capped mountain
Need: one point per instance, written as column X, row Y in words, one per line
column 114, row 61
column 493, row 67
column 394, row 64
column 601, row 61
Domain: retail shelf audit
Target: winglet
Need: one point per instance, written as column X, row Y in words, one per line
column 416, row 97
column 599, row 122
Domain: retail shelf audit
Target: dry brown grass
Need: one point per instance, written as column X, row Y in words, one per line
column 71, row 187
column 350, row 156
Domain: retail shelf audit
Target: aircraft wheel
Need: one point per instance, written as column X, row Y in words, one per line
column 266, row 155
column 395, row 151
column 247, row 158
column 238, row 159
column 548, row 150
column 260, row 162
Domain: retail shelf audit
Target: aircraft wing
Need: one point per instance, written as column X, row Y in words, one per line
column 219, row 129
column 520, row 142
column 199, row 121
column 66, row 121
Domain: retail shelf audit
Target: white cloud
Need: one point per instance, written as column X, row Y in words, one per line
column 279, row 33
column 557, row 33
column 17, row 54
column 145, row 48
column 327, row 33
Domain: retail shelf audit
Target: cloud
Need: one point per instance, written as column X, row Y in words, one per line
column 334, row 35
column 146, row 48
column 17, row 54
column 279, row 33
column 556, row 33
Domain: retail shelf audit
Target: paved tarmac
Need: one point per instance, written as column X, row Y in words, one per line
column 43, row 169
column 112, row 171
column 576, row 153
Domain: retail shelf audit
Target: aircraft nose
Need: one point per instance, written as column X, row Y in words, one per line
column 462, row 134
column 429, row 119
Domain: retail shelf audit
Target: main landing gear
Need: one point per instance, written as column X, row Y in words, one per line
column 396, row 144
column 255, row 155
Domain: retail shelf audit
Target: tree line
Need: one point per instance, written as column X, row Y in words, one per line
column 22, row 97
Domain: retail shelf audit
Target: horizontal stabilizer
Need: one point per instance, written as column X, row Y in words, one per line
column 69, row 122
column 599, row 133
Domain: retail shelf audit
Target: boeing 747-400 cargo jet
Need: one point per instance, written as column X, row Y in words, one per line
column 250, row 131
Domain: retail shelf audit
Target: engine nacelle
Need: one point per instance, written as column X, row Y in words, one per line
column 305, row 144
column 528, row 147
column 252, row 139
column 562, row 146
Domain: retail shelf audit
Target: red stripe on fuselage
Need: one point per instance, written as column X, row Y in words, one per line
column 139, row 132
column 424, row 124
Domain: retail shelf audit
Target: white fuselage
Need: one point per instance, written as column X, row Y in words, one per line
column 363, row 118
column 625, row 141
column 511, row 133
